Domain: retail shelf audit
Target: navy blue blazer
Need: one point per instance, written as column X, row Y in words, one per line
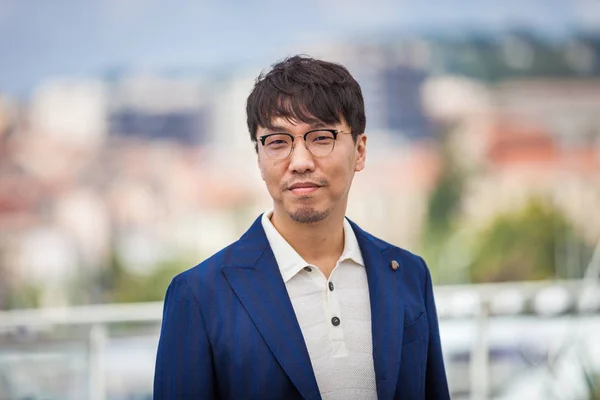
column 229, row 330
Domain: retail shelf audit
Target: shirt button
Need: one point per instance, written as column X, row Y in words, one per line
column 331, row 286
column 308, row 269
column 335, row 321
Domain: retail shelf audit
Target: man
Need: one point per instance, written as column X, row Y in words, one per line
column 305, row 305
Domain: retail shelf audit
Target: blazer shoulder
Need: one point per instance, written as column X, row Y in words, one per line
column 403, row 256
column 411, row 263
column 208, row 270
column 208, row 275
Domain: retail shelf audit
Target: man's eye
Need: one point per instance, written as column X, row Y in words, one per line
column 322, row 139
column 277, row 142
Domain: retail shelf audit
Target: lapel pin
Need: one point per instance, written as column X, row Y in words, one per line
column 394, row 264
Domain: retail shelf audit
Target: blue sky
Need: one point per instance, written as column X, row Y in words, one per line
column 56, row 38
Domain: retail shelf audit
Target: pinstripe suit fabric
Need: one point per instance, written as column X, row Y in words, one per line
column 229, row 330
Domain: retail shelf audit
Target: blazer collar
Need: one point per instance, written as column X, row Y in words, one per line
column 253, row 274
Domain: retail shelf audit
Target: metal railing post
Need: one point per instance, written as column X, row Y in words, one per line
column 480, row 355
column 98, row 338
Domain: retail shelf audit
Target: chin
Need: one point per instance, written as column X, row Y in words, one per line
column 308, row 215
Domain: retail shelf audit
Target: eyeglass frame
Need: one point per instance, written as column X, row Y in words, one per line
column 334, row 132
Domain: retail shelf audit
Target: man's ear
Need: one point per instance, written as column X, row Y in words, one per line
column 361, row 152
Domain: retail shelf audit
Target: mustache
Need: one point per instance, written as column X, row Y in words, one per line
column 318, row 181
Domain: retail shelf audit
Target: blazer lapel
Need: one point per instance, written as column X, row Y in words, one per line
column 387, row 311
column 254, row 276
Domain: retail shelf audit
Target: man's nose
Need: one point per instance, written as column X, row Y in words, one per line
column 301, row 159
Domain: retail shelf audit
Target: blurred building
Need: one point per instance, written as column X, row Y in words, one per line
column 522, row 113
column 495, row 57
column 535, row 138
column 72, row 111
column 229, row 141
column 152, row 168
column 567, row 108
column 159, row 107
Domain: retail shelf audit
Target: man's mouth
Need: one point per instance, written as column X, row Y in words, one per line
column 303, row 188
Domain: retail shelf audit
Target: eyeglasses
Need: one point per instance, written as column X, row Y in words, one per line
column 319, row 143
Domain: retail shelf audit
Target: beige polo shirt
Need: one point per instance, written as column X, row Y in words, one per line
column 334, row 315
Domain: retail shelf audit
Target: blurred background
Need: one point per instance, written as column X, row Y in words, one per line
column 125, row 159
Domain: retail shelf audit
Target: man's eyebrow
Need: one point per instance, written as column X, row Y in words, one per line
column 276, row 129
column 318, row 125
column 281, row 129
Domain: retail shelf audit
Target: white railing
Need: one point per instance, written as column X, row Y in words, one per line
column 478, row 302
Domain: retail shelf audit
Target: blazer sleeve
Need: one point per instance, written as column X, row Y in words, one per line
column 436, row 384
column 184, row 367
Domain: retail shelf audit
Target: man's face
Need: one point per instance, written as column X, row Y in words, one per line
column 306, row 188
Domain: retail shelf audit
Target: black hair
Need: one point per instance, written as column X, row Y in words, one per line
column 304, row 89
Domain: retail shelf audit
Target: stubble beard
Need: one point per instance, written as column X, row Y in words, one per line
column 308, row 215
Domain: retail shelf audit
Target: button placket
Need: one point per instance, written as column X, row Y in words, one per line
column 336, row 320
column 315, row 275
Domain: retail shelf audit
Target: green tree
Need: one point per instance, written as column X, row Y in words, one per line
column 116, row 284
column 523, row 245
column 21, row 296
column 443, row 206
column 131, row 287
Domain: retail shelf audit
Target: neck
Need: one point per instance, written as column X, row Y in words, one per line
column 320, row 243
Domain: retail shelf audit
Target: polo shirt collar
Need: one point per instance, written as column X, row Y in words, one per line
column 290, row 262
